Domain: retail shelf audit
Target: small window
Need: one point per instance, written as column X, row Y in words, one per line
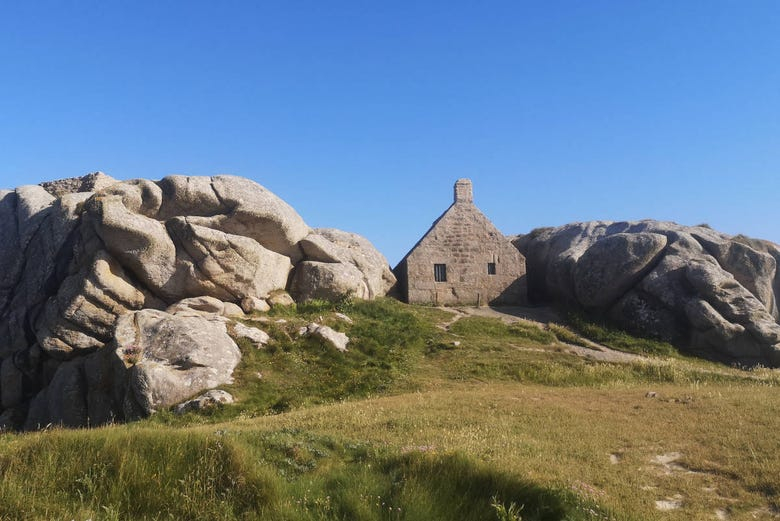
column 440, row 272
column 491, row 268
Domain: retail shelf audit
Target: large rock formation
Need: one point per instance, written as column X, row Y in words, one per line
column 340, row 264
column 705, row 291
column 89, row 265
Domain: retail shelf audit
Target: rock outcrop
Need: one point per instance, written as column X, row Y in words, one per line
column 326, row 335
column 705, row 291
column 86, row 263
column 207, row 400
column 340, row 264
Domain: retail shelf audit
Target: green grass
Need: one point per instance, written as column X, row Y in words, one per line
column 289, row 474
column 385, row 340
column 130, row 474
column 482, row 327
column 566, row 335
column 398, row 348
column 484, row 420
column 617, row 338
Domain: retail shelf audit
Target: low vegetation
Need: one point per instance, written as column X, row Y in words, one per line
column 618, row 339
column 480, row 420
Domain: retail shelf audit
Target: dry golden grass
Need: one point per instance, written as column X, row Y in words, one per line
column 710, row 449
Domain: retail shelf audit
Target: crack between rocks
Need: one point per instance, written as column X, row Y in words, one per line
column 197, row 264
column 132, row 279
column 229, row 209
column 109, row 294
column 184, row 365
column 100, row 305
column 64, row 323
column 709, row 250
column 23, row 268
column 653, row 264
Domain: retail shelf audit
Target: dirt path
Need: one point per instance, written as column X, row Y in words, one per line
column 539, row 316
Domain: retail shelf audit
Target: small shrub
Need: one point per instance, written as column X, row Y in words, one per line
column 132, row 354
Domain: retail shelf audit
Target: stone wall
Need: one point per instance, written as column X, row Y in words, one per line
column 465, row 241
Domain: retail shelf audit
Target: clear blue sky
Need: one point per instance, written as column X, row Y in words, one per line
column 363, row 114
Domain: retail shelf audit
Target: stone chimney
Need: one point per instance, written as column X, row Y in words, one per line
column 463, row 191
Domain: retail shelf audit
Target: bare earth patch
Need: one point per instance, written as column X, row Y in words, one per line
column 672, row 503
column 668, row 462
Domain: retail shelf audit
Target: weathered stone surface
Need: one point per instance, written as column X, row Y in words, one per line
column 233, row 310
column 327, row 281
column 342, row 316
column 155, row 360
column 753, row 269
column 33, row 206
column 175, row 254
column 551, row 254
column 611, row 266
column 106, row 375
column 710, row 329
column 733, row 301
column 139, row 196
column 78, row 254
column 11, row 381
column 280, row 298
column 141, row 244
column 253, row 304
column 226, row 266
column 258, row 337
column 82, row 314
column 63, row 402
column 335, row 246
column 11, row 261
column 326, row 335
column 237, row 206
column 88, row 183
column 197, row 305
column 171, row 358
column 33, row 258
column 773, row 250
column 206, row 400
column 699, row 288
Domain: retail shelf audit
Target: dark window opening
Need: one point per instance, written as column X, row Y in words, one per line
column 440, row 272
column 491, row 268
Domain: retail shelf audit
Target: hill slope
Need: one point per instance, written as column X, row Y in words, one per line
column 429, row 415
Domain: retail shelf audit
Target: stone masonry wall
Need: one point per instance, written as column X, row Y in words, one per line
column 465, row 241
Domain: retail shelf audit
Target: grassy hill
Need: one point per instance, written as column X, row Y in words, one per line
column 428, row 416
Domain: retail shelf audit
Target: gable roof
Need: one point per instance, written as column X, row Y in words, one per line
column 457, row 204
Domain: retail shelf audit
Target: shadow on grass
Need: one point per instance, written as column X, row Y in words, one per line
column 427, row 486
column 285, row 475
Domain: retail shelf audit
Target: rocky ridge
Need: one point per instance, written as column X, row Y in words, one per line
column 115, row 295
column 706, row 291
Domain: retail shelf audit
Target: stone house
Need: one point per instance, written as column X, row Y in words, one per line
column 462, row 259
